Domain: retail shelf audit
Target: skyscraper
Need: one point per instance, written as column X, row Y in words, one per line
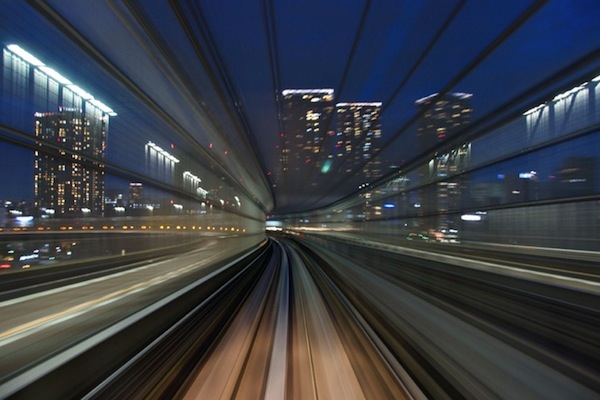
column 70, row 181
column 442, row 117
column 358, row 138
column 306, row 114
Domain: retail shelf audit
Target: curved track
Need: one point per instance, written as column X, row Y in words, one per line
column 302, row 319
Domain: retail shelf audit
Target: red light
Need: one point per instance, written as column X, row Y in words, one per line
column 172, row 146
column 210, row 146
column 4, row 266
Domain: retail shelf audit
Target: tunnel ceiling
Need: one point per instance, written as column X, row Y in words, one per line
column 219, row 69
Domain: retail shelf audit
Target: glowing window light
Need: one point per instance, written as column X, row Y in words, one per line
column 55, row 75
column 30, row 58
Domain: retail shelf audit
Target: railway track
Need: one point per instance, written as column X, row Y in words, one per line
column 301, row 320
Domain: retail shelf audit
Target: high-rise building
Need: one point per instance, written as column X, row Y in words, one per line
column 442, row 117
column 70, row 181
column 358, row 137
column 306, row 115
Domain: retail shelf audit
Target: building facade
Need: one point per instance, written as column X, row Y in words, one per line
column 358, row 137
column 70, row 181
column 306, row 116
column 441, row 118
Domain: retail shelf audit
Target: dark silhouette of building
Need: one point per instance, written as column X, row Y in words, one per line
column 577, row 176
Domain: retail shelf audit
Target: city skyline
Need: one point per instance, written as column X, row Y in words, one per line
column 317, row 151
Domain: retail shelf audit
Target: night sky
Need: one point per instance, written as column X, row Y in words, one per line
column 215, row 68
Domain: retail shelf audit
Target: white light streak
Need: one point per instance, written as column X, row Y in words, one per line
column 80, row 92
column 569, row 92
column 103, row 107
column 360, row 104
column 55, row 75
column 535, row 109
column 189, row 175
column 34, row 61
column 163, row 152
column 458, row 95
column 306, row 91
column 26, row 56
